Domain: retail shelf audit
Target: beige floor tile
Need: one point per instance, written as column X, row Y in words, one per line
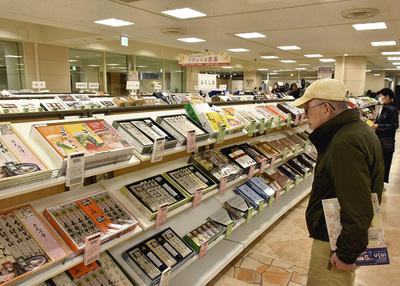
column 288, row 251
column 276, row 276
column 291, row 283
column 300, row 270
column 261, row 258
column 221, row 280
column 262, row 268
column 281, row 264
column 237, row 261
column 300, row 279
column 250, row 263
column 247, row 275
column 287, row 230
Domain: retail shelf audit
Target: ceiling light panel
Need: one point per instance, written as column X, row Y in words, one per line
column 370, row 26
column 184, row 13
column 396, row 63
column 114, row 22
column 383, row 43
column 287, row 61
column 191, row 40
column 390, row 53
column 227, row 67
column 252, row 35
column 394, row 58
column 286, row 48
column 327, row 60
column 301, row 69
column 262, row 69
column 240, row 50
column 269, row 57
column 313, row 56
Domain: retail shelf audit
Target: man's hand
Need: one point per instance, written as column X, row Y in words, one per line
column 341, row 265
column 375, row 126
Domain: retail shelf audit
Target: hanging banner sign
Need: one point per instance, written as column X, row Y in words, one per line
column 207, row 81
column 205, row 59
column 324, row 72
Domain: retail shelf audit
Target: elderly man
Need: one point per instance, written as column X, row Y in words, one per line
column 350, row 168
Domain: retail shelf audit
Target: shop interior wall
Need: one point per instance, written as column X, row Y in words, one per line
column 374, row 83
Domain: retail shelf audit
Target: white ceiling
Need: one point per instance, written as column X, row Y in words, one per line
column 316, row 26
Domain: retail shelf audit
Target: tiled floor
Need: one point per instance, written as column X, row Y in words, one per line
column 280, row 255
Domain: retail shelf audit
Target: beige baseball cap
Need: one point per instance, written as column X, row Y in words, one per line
column 328, row 89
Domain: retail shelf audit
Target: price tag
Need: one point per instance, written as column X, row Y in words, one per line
column 165, row 276
column 7, row 277
column 263, row 163
column 157, row 86
column 306, row 145
column 260, row 206
column 75, row 169
column 270, row 201
column 222, row 184
column 191, row 141
column 158, row 149
column 132, row 84
column 306, row 175
column 251, row 171
column 203, row 249
column 269, row 124
column 287, row 186
column 278, row 122
column 296, row 120
column 40, row 109
column 296, row 182
column 301, row 118
column 249, row 214
column 92, row 248
column 26, row 109
column 81, row 85
column 262, row 125
column 285, row 152
column 94, row 85
column 75, row 107
column 296, row 149
column 252, row 125
column 6, row 110
column 162, row 215
column 229, row 229
column 221, row 133
column 288, row 119
column 273, row 160
column 277, row 195
column 198, row 193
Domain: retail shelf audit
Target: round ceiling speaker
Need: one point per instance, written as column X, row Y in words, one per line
column 360, row 13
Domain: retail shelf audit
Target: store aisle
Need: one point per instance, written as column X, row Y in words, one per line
column 280, row 255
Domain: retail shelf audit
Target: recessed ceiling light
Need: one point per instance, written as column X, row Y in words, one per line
column 313, row 56
column 287, row 61
column 12, row 56
column 191, row 40
column 114, row 22
column 384, row 43
column 304, row 64
column 377, row 74
column 398, row 67
column 239, row 50
column 370, row 26
column 227, row 67
column 327, row 60
column 262, row 69
column 289, row 48
column 250, row 35
column 184, row 13
column 345, row 55
column 367, row 70
column 394, row 58
column 72, row 61
column 301, row 69
column 390, row 53
column 273, row 73
column 93, row 65
column 269, row 57
column 113, row 64
column 396, row 64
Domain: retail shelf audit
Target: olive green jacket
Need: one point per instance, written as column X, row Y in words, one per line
column 349, row 167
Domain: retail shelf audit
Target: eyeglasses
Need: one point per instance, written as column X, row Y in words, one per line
column 306, row 109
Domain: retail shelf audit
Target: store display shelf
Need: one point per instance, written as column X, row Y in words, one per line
column 73, row 259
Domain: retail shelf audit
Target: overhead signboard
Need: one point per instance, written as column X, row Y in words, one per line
column 205, row 59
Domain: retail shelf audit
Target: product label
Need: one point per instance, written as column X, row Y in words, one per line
column 306, row 145
column 287, row 186
column 269, row 124
column 165, row 276
column 222, row 184
column 262, row 125
column 270, row 201
column 75, row 172
column 221, row 133
column 288, row 119
column 273, row 160
column 229, row 229
column 306, row 175
column 251, row 171
column 296, row 149
column 301, row 118
column 296, row 183
column 249, row 214
column 203, row 249
column 260, row 206
column 198, row 193
column 92, row 248
column 296, row 120
column 263, row 163
column 191, row 141
column 277, row 195
column 162, row 215
column 158, row 149
column 278, row 122
column 252, row 125
column 285, row 152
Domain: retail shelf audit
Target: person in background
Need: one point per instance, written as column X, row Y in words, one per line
column 294, row 91
column 385, row 127
column 349, row 167
column 276, row 88
column 368, row 93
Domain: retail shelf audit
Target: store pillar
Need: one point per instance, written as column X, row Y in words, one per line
column 351, row 71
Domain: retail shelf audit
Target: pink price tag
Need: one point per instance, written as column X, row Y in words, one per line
column 301, row 118
column 191, row 141
column 296, row 121
column 277, row 195
column 263, row 162
column 92, row 248
column 222, row 184
column 198, row 193
column 7, row 277
column 273, row 159
column 203, row 249
column 161, row 215
column 251, row 171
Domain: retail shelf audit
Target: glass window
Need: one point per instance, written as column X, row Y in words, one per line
column 85, row 66
column 12, row 66
column 174, row 76
column 150, row 73
column 117, row 74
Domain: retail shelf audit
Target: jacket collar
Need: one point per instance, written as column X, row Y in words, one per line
column 323, row 134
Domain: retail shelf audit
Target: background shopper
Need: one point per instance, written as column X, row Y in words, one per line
column 350, row 168
column 385, row 127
